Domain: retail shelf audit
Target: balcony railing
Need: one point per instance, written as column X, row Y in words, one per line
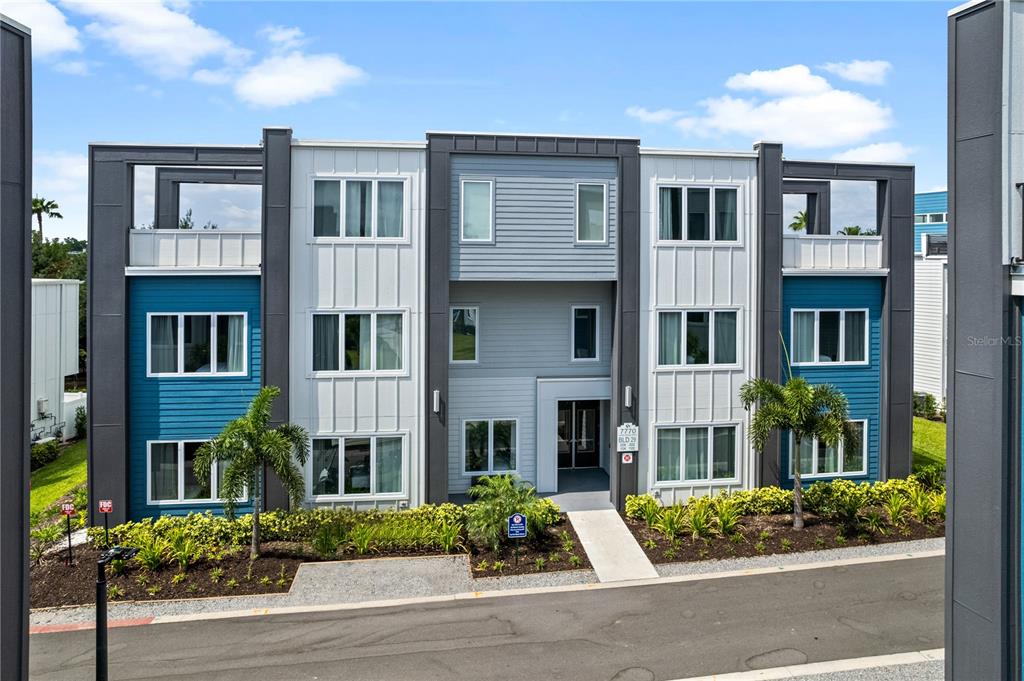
column 831, row 252
column 195, row 248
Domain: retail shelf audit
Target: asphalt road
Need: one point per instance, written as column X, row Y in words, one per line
column 665, row 631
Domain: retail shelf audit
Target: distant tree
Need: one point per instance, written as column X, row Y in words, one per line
column 47, row 207
column 855, row 230
column 799, row 222
column 248, row 445
column 185, row 221
column 64, row 259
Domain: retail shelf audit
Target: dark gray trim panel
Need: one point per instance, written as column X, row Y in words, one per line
column 769, row 264
column 625, row 367
column 895, row 216
column 111, row 169
column 274, row 284
column 819, row 202
column 980, row 582
column 15, row 344
column 167, row 202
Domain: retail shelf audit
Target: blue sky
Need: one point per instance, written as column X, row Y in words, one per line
column 863, row 81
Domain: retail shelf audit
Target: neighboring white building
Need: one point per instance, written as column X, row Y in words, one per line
column 54, row 355
column 930, row 294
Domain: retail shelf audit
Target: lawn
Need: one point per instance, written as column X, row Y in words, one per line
column 929, row 442
column 58, row 478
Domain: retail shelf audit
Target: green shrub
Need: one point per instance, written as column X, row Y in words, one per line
column 728, row 513
column 152, row 554
column 672, row 521
column 44, row 452
column 872, row 521
column 764, row 500
column 896, row 506
column 925, row 405
column 326, row 539
column 361, row 539
column 837, row 500
column 939, row 505
column 80, row 422
column 636, row 504
column 448, row 536
column 932, row 476
column 183, row 548
column 921, row 504
column 496, row 498
column 879, row 492
column 700, row 519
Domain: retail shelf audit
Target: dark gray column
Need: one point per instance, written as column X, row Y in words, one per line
column 167, row 202
column 15, row 343
column 982, row 635
column 769, row 299
column 274, row 282
column 438, row 182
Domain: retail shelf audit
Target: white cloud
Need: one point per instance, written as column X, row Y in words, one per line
column 144, row 89
column 51, row 32
column 802, row 109
column 160, row 38
column 213, row 76
column 284, row 37
column 653, row 116
column 788, row 80
column 287, row 79
column 869, row 72
column 880, row 152
column 938, row 188
column 76, row 67
column 64, row 178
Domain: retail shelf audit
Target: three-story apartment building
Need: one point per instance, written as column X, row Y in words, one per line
column 484, row 303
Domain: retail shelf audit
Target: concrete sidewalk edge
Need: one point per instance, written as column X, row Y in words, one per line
column 829, row 667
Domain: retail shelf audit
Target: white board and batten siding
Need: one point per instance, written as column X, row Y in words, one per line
column 930, row 298
column 54, row 353
column 523, row 336
column 696, row 275
column 362, row 276
column 534, row 219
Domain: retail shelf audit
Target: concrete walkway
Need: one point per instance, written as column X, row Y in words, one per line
column 610, row 545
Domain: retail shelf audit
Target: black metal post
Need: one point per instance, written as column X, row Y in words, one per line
column 101, row 619
column 70, row 557
column 106, row 529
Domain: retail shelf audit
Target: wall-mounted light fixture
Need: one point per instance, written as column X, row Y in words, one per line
column 629, row 397
column 437, row 401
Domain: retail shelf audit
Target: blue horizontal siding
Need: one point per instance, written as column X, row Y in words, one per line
column 860, row 384
column 184, row 408
column 929, row 202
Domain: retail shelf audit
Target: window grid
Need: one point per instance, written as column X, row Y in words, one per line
column 373, row 343
column 375, row 222
column 709, row 464
column 490, row 446
column 842, row 338
column 374, row 473
column 840, row 454
column 179, row 466
column 179, row 342
column 683, row 214
column 713, row 351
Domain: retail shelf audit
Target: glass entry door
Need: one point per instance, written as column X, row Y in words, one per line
column 579, row 434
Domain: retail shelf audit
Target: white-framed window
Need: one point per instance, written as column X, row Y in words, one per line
column 591, row 213
column 829, row 337
column 464, row 334
column 476, row 210
column 703, row 453
column 197, row 344
column 358, row 341
column 584, row 333
column 171, row 478
column 818, row 460
column 490, row 446
column 698, row 338
column 358, row 466
column 698, row 213
column 359, row 208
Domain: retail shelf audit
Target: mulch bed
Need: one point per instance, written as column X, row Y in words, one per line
column 54, row 583
column 765, row 535
column 548, row 547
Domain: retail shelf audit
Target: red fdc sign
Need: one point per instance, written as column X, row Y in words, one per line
column 67, row 509
column 106, row 506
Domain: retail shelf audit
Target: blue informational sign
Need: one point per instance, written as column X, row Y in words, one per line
column 517, row 526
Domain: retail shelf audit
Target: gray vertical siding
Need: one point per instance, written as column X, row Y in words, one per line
column 524, row 335
column 534, row 219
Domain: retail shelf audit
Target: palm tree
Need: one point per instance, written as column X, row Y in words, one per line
column 47, row 207
column 806, row 411
column 799, row 223
column 248, row 445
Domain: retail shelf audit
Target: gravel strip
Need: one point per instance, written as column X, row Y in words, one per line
column 919, row 671
column 353, row 581
column 782, row 559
